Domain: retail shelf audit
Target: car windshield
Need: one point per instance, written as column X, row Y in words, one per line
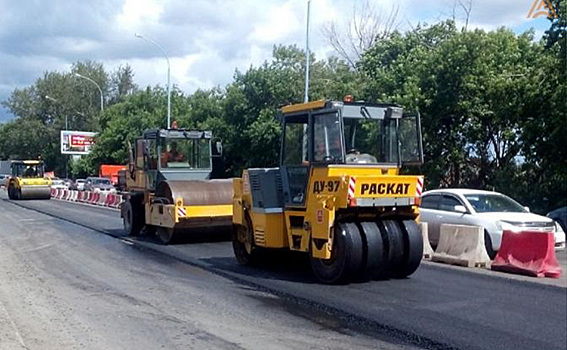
column 28, row 170
column 377, row 140
column 186, row 153
column 101, row 182
column 370, row 141
column 487, row 203
column 327, row 138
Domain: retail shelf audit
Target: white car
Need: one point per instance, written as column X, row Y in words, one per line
column 3, row 179
column 59, row 184
column 491, row 210
column 80, row 183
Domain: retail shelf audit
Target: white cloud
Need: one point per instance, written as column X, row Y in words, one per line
column 135, row 12
column 206, row 40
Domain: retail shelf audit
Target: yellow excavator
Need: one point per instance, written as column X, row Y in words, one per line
column 338, row 194
column 168, row 185
column 28, row 180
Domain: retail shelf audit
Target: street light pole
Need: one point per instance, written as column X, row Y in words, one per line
column 97, row 86
column 66, row 128
column 57, row 101
column 307, row 56
column 168, row 76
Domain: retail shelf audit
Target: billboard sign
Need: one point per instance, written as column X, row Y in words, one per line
column 77, row 142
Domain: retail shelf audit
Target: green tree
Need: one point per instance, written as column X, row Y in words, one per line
column 486, row 99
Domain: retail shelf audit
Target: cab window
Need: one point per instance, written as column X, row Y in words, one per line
column 448, row 203
column 430, row 201
column 295, row 142
column 327, row 140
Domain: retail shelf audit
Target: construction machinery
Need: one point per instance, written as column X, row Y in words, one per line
column 338, row 194
column 28, row 180
column 169, row 190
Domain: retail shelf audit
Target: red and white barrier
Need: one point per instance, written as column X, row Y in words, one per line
column 102, row 199
column 109, row 200
column 117, row 203
column 529, row 253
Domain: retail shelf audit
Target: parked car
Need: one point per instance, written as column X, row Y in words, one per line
column 79, row 184
column 99, row 184
column 493, row 211
column 4, row 179
column 69, row 183
column 58, row 184
column 560, row 216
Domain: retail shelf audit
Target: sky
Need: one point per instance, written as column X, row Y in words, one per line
column 205, row 40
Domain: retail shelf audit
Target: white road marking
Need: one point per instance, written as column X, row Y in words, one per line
column 14, row 327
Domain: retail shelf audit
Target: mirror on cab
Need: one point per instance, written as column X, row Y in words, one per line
column 217, row 148
column 527, row 209
column 460, row 209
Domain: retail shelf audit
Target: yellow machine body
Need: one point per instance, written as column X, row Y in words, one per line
column 173, row 197
column 378, row 190
column 338, row 194
column 26, row 184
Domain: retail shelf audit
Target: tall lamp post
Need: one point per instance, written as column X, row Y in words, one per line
column 168, row 76
column 57, row 101
column 307, row 55
column 97, row 86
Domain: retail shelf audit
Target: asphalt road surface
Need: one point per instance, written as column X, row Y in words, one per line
column 68, row 280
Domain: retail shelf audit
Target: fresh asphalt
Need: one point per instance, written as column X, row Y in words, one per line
column 437, row 307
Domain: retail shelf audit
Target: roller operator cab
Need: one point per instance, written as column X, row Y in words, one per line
column 337, row 194
column 28, row 180
column 168, row 185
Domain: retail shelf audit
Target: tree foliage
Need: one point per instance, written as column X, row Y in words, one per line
column 488, row 101
column 492, row 106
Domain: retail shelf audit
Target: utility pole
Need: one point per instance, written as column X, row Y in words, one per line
column 307, row 56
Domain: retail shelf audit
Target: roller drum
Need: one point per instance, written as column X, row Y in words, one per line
column 35, row 192
column 197, row 192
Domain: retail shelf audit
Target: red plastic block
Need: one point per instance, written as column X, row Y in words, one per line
column 529, row 253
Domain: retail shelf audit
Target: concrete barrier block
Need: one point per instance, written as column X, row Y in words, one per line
column 461, row 245
column 427, row 249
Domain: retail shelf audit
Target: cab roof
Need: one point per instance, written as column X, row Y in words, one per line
column 352, row 110
column 177, row 134
column 27, row 162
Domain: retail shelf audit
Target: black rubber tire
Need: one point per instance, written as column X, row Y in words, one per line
column 132, row 218
column 393, row 239
column 346, row 256
column 488, row 244
column 375, row 256
column 10, row 192
column 413, row 249
column 245, row 254
column 166, row 235
column 149, row 230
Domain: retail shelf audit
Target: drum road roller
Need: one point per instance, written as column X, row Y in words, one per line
column 168, row 185
column 337, row 194
column 28, row 181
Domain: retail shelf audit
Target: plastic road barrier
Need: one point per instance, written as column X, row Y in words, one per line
column 529, row 253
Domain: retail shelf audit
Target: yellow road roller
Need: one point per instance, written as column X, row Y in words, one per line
column 28, row 180
column 338, row 194
column 168, row 185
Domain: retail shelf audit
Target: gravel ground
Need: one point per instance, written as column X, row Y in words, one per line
column 63, row 286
